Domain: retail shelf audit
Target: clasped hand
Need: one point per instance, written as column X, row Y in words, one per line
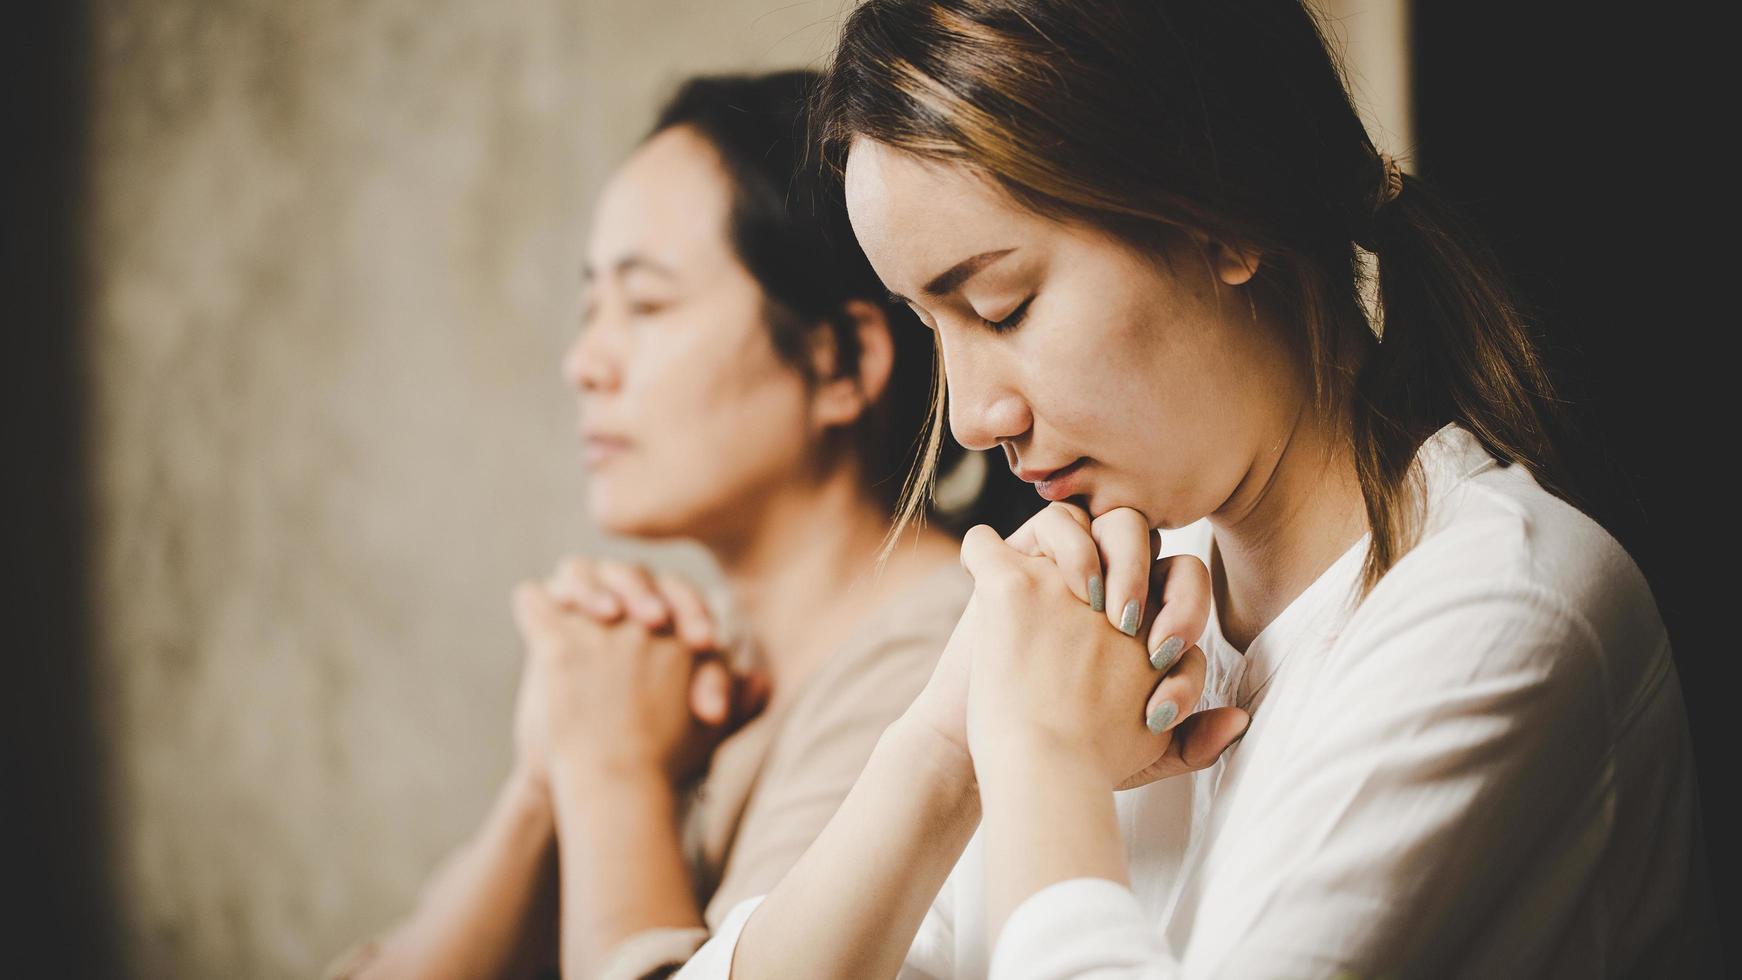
column 1077, row 641
column 622, row 677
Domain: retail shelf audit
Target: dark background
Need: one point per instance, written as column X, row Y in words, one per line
column 1585, row 141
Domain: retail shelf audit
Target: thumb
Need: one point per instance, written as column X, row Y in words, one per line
column 1194, row 744
column 535, row 612
column 1207, row 734
column 710, row 692
column 984, row 552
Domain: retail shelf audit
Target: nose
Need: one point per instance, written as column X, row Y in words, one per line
column 986, row 408
column 590, row 364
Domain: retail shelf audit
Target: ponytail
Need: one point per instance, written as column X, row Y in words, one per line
column 1454, row 349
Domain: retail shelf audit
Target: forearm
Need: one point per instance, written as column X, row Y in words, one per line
column 622, row 863
column 481, row 916
column 853, row 902
column 1048, row 819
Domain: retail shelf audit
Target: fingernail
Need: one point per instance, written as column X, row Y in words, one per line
column 1128, row 619
column 1242, row 734
column 1097, row 594
column 1163, row 656
column 1161, row 717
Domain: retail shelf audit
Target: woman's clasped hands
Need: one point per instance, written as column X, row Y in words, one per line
column 623, row 678
column 1078, row 643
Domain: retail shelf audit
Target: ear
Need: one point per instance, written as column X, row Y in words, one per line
column 1235, row 265
column 840, row 400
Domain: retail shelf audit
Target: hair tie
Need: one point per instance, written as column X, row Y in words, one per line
column 1367, row 276
column 1391, row 180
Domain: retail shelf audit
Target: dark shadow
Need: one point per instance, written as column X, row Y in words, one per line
column 1579, row 137
column 50, row 776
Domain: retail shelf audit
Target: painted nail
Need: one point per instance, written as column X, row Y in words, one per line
column 1097, row 594
column 1128, row 619
column 1161, row 717
column 1162, row 657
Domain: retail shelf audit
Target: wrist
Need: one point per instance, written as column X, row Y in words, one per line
column 522, row 818
column 527, row 789
column 1030, row 756
column 940, row 763
column 606, row 781
column 595, row 757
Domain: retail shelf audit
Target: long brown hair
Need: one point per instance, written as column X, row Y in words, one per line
column 1230, row 119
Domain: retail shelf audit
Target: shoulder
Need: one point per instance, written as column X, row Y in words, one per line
column 876, row 671
column 1491, row 529
column 1487, row 519
column 1509, row 581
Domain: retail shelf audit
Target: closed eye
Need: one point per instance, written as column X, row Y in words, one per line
column 1013, row 320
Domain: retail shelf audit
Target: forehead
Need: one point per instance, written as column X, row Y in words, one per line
column 670, row 199
column 916, row 217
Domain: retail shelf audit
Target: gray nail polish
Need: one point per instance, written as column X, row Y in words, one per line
column 1128, row 619
column 1097, row 594
column 1162, row 717
column 1162, row 657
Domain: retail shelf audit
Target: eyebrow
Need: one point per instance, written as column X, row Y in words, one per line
column 628, row 264
column 956, row 276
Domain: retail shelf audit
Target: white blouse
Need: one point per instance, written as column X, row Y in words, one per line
column 1481, row 770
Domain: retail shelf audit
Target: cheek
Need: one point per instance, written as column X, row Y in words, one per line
column 1156, row 385
column 717, row 420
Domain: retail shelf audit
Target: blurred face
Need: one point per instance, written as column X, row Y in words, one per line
column 686, row 413
column 1110, row 376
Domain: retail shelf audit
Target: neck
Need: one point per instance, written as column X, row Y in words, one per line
column 803, row 570
column 1298, row 509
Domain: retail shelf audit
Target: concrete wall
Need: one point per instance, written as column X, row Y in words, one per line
column 332, row 252
column 333, row 260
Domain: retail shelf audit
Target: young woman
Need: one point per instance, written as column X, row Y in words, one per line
column 1135, row 227
column 744, row 382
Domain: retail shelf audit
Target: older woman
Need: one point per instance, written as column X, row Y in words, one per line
column 744, row 381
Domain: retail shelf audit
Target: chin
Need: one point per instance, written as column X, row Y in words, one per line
column 1099, row 503
column 637, row 514
column 618, row 513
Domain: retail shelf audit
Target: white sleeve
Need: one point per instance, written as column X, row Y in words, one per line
column 929, row 958
column 714, row 960
column 1084, row 927
column 1456, row 756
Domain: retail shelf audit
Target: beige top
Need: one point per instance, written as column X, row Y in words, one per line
column 775, row 783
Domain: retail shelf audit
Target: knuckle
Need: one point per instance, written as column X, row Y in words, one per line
column 1007, row 579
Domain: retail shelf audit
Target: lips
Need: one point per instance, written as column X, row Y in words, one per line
column 597, row 447
column 1057, row 484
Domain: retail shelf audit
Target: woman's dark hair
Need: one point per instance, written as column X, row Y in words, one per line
column 789, row 228
column 1228, row 119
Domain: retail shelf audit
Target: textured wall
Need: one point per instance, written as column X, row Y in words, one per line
column 333, row 259
column 332, row 252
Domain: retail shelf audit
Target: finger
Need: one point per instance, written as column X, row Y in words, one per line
column 634, row 587
column 1177, row 693
column 1122, row 538
column 985, row 555
column 691, row 619
column 711, row 692
column 535, row 613
column 1195, row 743
column 1060, row 531
column 1185, row 608
column 1201, row 739
column 575, row 584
